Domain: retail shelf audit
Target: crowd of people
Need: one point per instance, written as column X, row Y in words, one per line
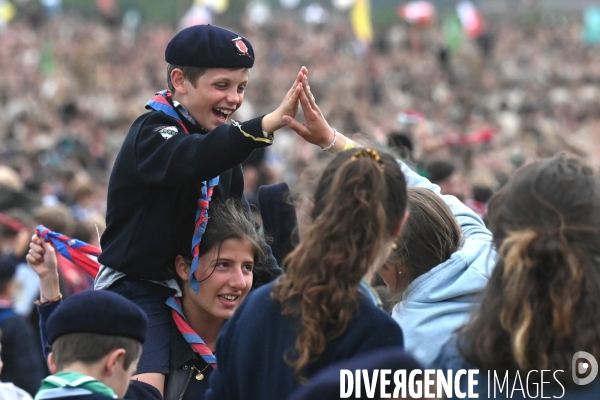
column 418, row 235
column 527, row 87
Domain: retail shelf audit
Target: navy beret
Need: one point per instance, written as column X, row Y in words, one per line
column 98, row 311
column 209, row 46
column 8, row 267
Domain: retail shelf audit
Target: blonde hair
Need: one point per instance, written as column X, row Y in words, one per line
column 9, row 178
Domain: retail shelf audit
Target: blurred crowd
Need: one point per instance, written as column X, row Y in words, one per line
column 70, row 88
column 466, row 118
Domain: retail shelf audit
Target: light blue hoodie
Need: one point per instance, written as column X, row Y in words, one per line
column 439, row 301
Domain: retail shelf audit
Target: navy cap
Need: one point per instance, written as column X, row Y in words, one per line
column 209, row 46
column 98, row 311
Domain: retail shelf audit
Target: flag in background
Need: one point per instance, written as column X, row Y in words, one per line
column 217, row 6
column 53, row 7
column 7, row 13
column 106, row 7
column 591, row 25
column 360, row 16
column 419, row 13
column 453, row 33
column 196, row 15
column 470, row 18
column 341, row 5
column 47, row 63
column 315, row 14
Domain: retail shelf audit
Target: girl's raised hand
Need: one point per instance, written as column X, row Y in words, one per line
column 316, row 130
column 41, row 257
column 289, row 106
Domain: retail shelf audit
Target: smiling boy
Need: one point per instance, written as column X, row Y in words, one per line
column 174, row 159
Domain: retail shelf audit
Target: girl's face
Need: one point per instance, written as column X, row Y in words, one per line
column 228, row 272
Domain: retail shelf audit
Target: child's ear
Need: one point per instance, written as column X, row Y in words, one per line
column 51, row 364
column 113, row 359
column 178, row 81
column 182, row 268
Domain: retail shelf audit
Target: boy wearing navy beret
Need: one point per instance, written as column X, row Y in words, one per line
column 175, row 159
column 96, row 339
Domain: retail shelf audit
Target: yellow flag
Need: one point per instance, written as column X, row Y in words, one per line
column 7, row 11
column 360, row 15
column 218, row 6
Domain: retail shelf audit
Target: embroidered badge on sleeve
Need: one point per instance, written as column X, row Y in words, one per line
column 166, row 131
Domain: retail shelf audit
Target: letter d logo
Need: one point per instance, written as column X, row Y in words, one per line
column 583, row 367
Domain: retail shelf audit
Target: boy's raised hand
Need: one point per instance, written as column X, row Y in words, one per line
column 289, row 106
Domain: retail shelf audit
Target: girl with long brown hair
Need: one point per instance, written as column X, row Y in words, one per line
column 444, row 253
column 542, row 304
column 315, row 315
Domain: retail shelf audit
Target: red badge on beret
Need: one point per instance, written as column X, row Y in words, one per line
column 241, row 47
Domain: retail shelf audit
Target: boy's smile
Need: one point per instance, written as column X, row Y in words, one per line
column 218, row 93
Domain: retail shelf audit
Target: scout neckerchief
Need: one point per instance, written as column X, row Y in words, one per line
column 194, row 340
column 162, row 102
column 83, row 253
column 71, row 384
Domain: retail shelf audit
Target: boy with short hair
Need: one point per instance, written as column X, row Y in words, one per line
column 174, row 160
column 96, row 339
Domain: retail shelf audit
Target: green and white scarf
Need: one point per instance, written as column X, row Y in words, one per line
column 69, row 384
